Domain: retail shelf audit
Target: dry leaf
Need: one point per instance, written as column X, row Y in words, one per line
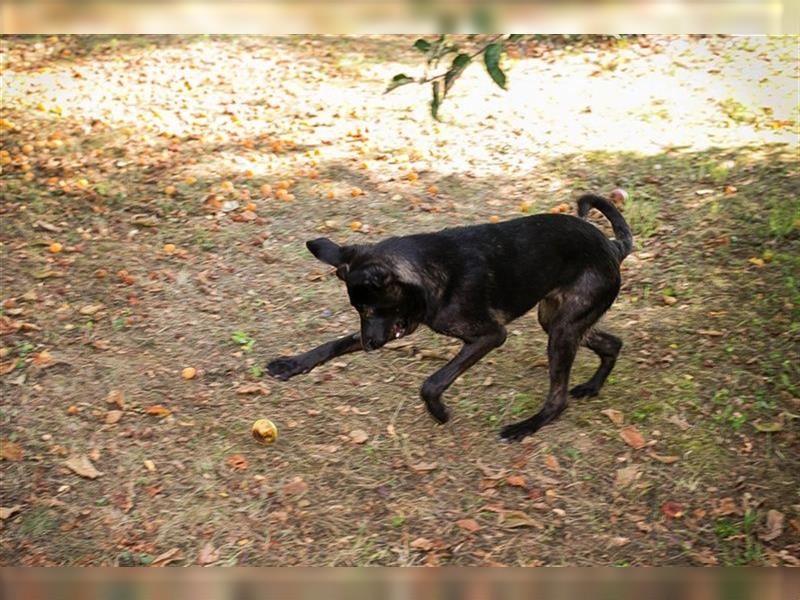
column 704, row 557
column 116, row 397
column 10, row 451
column 626, row 476
column 113, row 416
column 726, row 506
column 424, row 467
column 162, row 560
column 618, row 541
column 238, row 462
column 7, row 366
column 390, row 430
column 711, row 332
column 43, row 360
column 81, row 465
column 158, row 411
column 632, row 437
column 358, row 436
column 775, row 521
column 296, row 487
column 470, row 525
column 149, row 465
column 672, row 510
column 91, row 309
column 253, row 388
column 617, row 416
column 208, row 554
column 667, row 460
column 516, row 481
column 517, row 518
column 421, row 543
column 773, row 427
column 551, row 462
column 679, row 422
column 10, row 511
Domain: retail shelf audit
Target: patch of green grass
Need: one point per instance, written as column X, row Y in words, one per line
column 784, row 217
column 397, row 520
column 244, row 340
column 38, row 522
column 642, row 216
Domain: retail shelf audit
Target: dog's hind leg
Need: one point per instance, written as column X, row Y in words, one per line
column 566, row 315
column 288, row 366
column 472, row 351
column 607, row 347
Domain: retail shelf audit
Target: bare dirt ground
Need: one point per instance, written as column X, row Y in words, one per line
column 138, row 239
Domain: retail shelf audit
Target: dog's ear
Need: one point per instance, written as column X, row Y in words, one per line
column 326, row 251
column 332, row 254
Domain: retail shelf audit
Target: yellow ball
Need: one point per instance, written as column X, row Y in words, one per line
column 264, row 431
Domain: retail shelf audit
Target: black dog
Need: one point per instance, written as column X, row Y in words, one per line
column 469, row 282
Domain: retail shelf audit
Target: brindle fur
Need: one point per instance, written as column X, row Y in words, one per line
column 469, row 282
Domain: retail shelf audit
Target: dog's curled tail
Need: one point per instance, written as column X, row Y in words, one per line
column 624, row 237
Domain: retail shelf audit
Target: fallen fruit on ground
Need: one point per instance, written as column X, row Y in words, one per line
column 189, row 373
column 264, row 432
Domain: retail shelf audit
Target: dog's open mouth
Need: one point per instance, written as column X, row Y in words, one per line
column 399, row 329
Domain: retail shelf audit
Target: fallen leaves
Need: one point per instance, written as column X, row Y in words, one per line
column 116, row 397
column 81, row 465
column 424, row 467
column 672, row 510
column 551, row 462
column 667, row 460
column 295, row 488
column 626, row 476
column 237, row 462
column 516, row 481
column 631, row 436
column 421, row 543
column 775, row 520
column 158, row 411
column 10, row 511
column 163, row 559
column 10, row 451
column 113, row 417
column 616, row 416
column 470, row 525
column 91, row 309
column 512, row 519
column 358, row 436
column 208, row 554
column 253, row 388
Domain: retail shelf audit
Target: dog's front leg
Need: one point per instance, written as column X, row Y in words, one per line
column 288, row 366
column 470, row 353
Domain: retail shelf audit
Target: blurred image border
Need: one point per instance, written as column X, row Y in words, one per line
column 373, row 16
column 379, row 583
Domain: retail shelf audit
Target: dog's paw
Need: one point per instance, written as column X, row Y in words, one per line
column 584, row 390
column 284, row 367
column 439, row 412
column 515, row 432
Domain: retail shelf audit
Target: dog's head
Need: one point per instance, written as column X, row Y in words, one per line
column 389, row 303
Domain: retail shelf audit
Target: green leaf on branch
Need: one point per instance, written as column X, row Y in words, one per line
column 422, row 45
column 491, row 57
column 397, row 81
column 460, row 63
